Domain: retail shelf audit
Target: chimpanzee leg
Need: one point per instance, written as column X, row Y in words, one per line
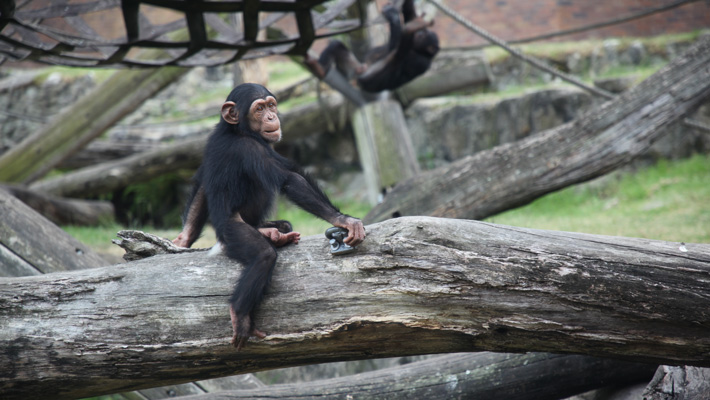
column 282, row 225
column 245, row 244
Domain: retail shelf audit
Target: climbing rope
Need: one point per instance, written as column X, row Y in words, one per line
column 527, row 58
column 537, row 62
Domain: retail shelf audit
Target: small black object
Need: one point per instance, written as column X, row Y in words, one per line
column 336, row 236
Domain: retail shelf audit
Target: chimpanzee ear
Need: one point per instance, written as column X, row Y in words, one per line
column 230, row 112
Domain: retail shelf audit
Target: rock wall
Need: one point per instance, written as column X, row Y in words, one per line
column 30, row 102
column 448, row 128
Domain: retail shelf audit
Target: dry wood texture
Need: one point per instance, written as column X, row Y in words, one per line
column 415, row 286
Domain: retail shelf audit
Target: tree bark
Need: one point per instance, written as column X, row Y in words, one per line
column 679, row 383
column 113, row 175
column 415, row 286
column 100, row 151
column 475, row 376
column 64, row 211
column 82, row 122
column 31, row 245
column 603, row 139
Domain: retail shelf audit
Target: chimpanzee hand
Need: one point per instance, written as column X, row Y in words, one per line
column 356, row 231
column 280, row 239
column 182, row 240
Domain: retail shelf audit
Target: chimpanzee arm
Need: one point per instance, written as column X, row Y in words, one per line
column 408, row 11
column 336, row 53
column 392, row 16
column 304, row 191
column 195, row 215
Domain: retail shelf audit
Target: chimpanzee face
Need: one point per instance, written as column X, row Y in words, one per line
column 263, row 119
column 259, row 106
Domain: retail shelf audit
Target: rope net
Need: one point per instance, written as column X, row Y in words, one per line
column 154, row 33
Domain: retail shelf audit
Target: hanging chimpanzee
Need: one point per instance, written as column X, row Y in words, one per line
column 407, row 55
column 236, row 187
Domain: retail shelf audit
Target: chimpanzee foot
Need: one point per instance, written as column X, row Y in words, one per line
column 240, row 336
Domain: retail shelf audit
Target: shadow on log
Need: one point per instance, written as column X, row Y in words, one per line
column 415, row 286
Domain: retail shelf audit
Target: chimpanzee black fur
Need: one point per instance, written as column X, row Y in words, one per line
column 236, row 186
column 407, row 55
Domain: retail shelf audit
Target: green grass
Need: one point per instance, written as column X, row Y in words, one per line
column 668, row 201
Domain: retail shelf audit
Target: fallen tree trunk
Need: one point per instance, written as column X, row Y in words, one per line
column 600, row 141
column 64, row 211
column 415, row 286
column 475, row 376
column 113, row 175
column 100, row 151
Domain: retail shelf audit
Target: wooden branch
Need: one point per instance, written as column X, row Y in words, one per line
column 100, row 151
column 601, row 140
column 485, row 375
column 113, row 175
column 63, row 211
column 415, row 286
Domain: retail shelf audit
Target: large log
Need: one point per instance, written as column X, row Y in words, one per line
column 100, row 151
column 64, row 211
column 457, row 376
column 113, row 175
column 31, row 245
column 415, row 286
column 601, row 140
